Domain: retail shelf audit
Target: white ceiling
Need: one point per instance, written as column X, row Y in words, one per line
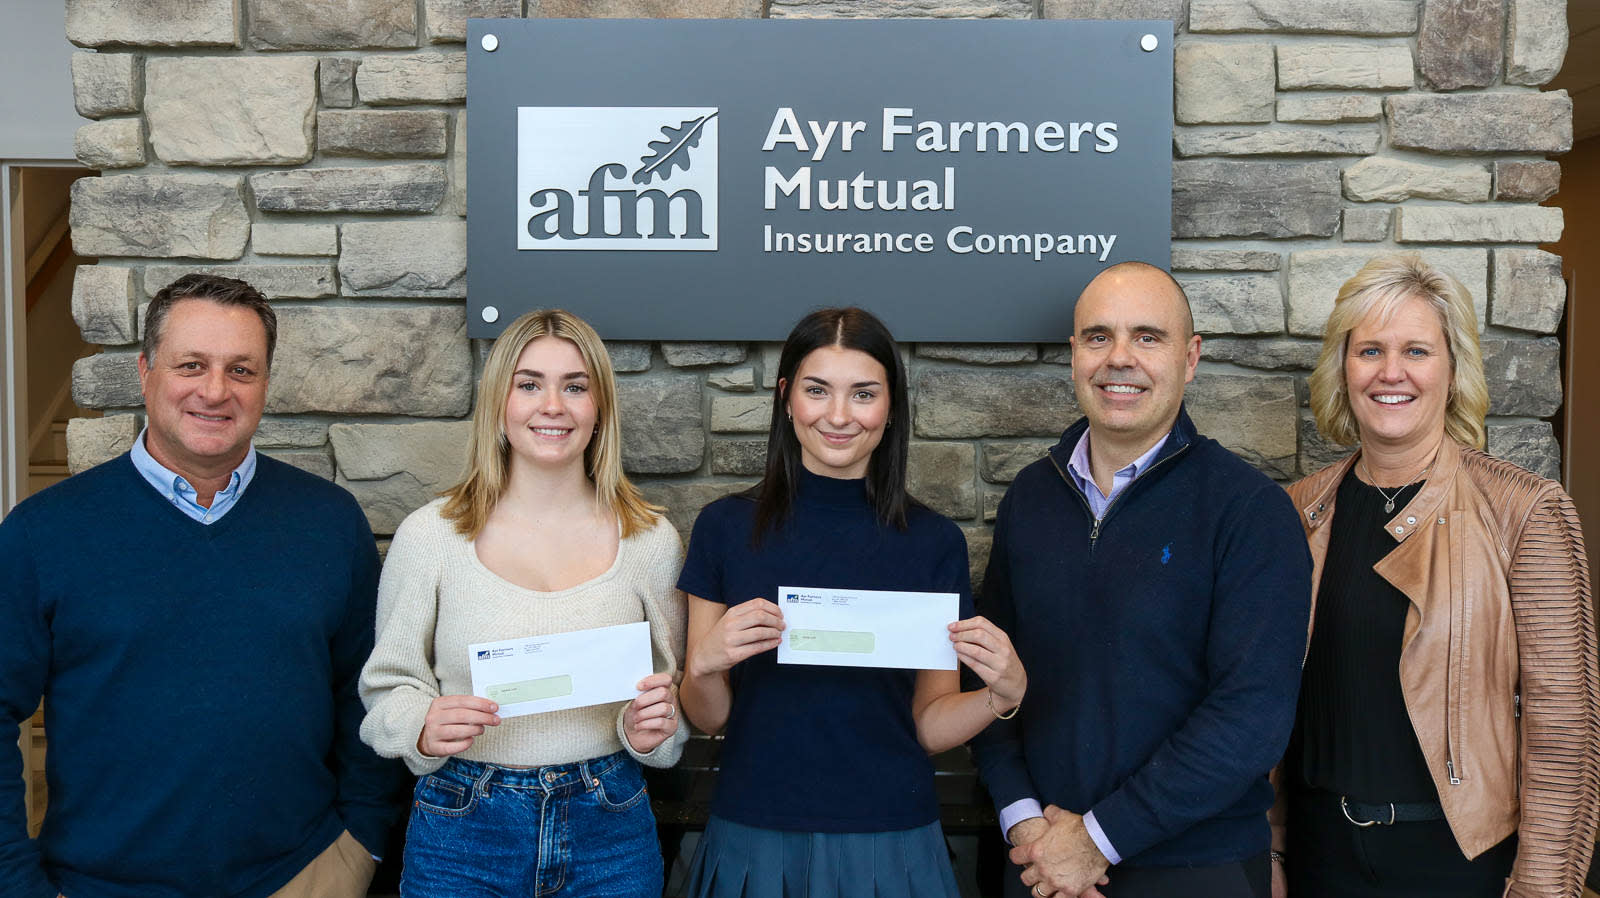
column 1580, row 75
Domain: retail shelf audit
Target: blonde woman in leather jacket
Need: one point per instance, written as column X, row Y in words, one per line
column 1447, row 740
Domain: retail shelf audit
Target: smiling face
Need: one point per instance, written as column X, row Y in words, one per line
column 550, row 411
column 205, row 388
column 1397, row 373
column 839, row 404
column 1132, row 354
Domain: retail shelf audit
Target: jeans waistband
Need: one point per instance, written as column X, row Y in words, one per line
column 578, row 775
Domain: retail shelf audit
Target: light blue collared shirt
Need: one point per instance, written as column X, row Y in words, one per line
column 1083, row 478
column 177, row 490
column 1083, row 475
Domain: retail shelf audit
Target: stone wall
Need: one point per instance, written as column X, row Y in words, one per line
column 318, row 150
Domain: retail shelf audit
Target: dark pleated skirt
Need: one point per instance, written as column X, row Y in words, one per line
column 737, row 861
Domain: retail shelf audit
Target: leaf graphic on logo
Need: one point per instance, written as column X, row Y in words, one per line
column 671, row 152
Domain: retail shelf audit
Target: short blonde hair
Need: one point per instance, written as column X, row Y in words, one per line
column 1378, row 289
column 469, row 502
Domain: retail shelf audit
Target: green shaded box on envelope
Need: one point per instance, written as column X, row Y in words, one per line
column 851, row 641
column 529, row 690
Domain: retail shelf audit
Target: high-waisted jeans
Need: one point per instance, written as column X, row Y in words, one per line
column 582, row 829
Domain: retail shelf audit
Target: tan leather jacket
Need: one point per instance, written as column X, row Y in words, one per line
column 1498, row 660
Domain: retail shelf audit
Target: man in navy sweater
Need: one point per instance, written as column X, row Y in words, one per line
column 1157, row 589
column 195, row 617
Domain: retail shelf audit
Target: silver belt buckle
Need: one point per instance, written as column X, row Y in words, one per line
column 1344, row 806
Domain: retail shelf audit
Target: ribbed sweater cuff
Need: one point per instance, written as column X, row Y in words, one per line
column 664, row 755
column 394, row 734
column 1119, row 824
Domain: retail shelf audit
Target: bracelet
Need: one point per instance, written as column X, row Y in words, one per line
column 989, row 700
column 1276, row 856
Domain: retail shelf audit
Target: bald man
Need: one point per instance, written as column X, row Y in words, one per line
column 1157, row 589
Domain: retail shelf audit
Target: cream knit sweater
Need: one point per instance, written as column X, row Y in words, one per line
column 435, row 598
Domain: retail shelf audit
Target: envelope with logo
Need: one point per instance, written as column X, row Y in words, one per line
column 867, row 628
column 534, row 674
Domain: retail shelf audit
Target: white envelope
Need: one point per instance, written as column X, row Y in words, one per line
column 533, row 674
column 867, row 628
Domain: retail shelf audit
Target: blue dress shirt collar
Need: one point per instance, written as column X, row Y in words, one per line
column 175, row 489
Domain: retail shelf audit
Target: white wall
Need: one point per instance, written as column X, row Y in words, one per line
column 37, row 118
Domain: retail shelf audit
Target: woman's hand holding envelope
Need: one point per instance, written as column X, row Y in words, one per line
column 987, row 649
column 746, row 629
column 452, row 723
column 652, row 717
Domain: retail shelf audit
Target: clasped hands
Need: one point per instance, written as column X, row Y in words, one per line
column 1058, row 856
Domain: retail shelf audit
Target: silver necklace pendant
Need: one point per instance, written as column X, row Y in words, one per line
column 1388, row 500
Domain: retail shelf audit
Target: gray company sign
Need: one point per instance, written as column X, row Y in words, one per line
column 714, row 180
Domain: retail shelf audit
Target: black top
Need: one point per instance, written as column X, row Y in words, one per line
column 812, row 748
column 1352, row 733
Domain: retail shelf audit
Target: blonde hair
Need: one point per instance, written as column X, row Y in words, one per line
column 469, row 502
column 1378, row 289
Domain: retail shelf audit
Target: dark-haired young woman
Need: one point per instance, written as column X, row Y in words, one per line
column 825, row 786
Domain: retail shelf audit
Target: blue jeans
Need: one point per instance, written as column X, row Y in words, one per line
column 581, row 829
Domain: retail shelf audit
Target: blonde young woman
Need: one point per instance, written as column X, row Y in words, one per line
column 1448, row 734
column 543, row 535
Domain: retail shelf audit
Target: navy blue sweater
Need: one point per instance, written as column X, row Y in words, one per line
column 813, row 748
column 199, row 686
column 1163, row 650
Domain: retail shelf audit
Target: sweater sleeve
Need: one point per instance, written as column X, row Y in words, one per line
column 24, row 663
column 1560, row 689
column 955, row 571
column 1261, row 598
column 398, row 683
column 702, row 566
column 664, row 609
column 369, row 786
column 997, row 750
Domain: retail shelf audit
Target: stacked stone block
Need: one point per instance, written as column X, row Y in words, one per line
column 318, row 150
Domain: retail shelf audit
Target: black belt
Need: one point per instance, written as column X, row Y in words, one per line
column 1364, row 814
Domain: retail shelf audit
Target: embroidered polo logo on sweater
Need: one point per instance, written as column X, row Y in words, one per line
column 1166, row 553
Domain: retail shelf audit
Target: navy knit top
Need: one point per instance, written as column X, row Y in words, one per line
column 811, row 748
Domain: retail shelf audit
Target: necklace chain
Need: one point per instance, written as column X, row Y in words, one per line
column 1388, row 504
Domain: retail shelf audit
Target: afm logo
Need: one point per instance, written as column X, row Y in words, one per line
column 617, row 177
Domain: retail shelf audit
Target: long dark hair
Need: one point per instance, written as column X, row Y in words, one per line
column 850, row 328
